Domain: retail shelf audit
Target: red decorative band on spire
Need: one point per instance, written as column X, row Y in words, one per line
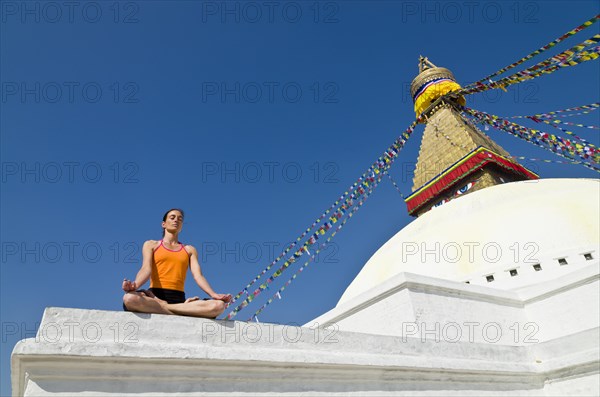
column 472, row 162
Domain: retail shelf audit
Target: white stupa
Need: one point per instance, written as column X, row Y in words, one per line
column 495, row 292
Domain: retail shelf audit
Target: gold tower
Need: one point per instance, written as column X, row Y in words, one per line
column 455, row 158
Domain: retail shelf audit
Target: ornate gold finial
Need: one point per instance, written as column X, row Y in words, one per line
column 432, row 83
column 425, row 63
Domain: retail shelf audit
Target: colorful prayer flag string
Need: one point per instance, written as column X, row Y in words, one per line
column 438, row 133
column 380, row 165
column 557, row 113
column 569, row 161
column 570, row 33
column 555, row 144
column 556, row 121
column 549, row 118
column 574, row 114
column 570, row 57
column 301, row 269
column 293, row 244
column 395, row 185
column 355, row 187
column 553, row 124
column 351, row 193
column 547, row 161
column 591, row 127
column 322, row 230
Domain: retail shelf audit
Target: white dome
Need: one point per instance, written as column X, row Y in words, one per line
column 501, row 231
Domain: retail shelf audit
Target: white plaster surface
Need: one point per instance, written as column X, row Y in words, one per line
column 168, row 354
column 90, row 352
column 493, row 231
column 415, row 305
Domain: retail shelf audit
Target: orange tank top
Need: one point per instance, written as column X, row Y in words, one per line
column 170, row 268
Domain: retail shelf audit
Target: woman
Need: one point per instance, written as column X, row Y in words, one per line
column 165, row 262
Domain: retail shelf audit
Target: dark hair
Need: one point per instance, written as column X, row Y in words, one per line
column 167, row 213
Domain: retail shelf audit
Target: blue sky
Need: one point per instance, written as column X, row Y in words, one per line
column 253, row 118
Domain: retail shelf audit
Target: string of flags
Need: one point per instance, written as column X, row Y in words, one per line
column 312, row 240
column 395, row 185
column 363, row 185
column 516, row 157
column 547, row 161
column 348, row 192
column 312, row 257
column 574, row 114
column 571, row 57
column 570, row 33
column 447, row 137
column 556, row 121
column 549, row 118
column 355, row 189
column 554, row 124
column 554, row 143
column 558, row 113
column 591, row 127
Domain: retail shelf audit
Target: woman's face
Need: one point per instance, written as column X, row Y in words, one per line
column 174, row 222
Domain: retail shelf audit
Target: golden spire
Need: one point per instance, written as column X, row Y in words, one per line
column 455, row 158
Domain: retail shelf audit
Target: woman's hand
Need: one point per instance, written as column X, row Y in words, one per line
column 222, row 297
column 129, row 286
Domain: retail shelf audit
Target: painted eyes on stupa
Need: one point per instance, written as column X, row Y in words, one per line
column 460, row 191
column 444, row 201
column 464, row 189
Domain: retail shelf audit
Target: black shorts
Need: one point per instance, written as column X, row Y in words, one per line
column 169, row 295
